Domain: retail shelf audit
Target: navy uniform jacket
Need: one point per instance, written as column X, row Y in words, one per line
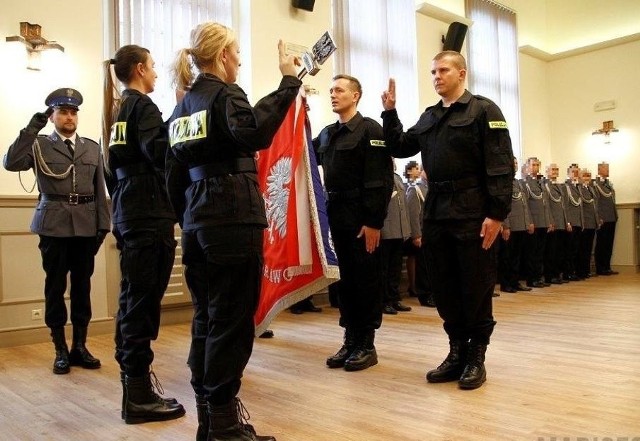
column 573, row 204
column 215, row 125
column 137, row 151
column 519, row 217
column 358, row 173
column 396, row 224
column 606, row 196
column 465, row 147
column 58, row 218
column 538, row 202
column 556, row 204
column 416, row 195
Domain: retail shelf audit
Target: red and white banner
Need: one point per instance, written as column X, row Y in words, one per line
column 298, row 255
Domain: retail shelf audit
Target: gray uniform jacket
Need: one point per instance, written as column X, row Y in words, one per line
column 572, row 204
column 416, row 194
column 59, row 218
column 589, row 208
column 538, row 201
column 519, row 217
column 396, row 224
column 556, row 204
column 606, row 197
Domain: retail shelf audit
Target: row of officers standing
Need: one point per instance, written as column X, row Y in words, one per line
column 548, row 237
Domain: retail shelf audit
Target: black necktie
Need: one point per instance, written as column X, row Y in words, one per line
column 69, row 146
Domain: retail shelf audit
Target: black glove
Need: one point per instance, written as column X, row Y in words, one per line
column 38, row 121
column 99, row 239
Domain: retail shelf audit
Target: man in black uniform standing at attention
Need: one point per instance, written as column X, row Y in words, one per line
column 358, row 177
column 466, row 152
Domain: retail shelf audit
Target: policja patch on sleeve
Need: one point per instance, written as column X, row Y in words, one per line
column 498, row 125
column 376, row 143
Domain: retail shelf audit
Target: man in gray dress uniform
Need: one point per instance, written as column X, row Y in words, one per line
column 606, row 197
column 554, row 249
column 590, row 223
column 71, row 218
column 573, row 213
column 515, row 229
column 537, row 200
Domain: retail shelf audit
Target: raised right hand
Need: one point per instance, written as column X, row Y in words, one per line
column 287, row 63
column 389, row 96
column 38, row 121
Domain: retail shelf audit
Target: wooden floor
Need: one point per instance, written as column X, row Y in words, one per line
column 564, row 364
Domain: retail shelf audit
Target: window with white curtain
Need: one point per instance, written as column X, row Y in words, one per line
column 376, row 40
column 164, row 27
column 493, row 60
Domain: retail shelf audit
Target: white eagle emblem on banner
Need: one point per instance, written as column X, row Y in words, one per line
column 276, row 197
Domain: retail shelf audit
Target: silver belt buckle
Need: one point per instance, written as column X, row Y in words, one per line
column 73, row 198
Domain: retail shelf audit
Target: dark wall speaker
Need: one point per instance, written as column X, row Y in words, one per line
column 307, row 5
column 455, row 37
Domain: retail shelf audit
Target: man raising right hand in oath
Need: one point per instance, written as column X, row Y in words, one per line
column 466, row 153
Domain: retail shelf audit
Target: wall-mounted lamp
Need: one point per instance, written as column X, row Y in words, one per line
column 607, row 128
column 31, row 37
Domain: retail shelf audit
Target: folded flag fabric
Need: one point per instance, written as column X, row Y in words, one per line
column 299, row 259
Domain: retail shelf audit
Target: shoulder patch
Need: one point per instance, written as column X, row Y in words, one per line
column 497, row 124
column 376, row 143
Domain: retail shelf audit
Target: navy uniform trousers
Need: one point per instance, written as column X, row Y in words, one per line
column 147, row 252
column 463, row 277
column 61, row 256
column 223, row 269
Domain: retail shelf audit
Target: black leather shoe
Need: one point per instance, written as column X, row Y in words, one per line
column 573, row 278
column 508, row 289
column 520, row 287
column 388, row 309
column 80, row 356
column 555, row 281
column 267, row 334
column 428, row 301
column 296, row 310
column 400, row 307
column 536, row 284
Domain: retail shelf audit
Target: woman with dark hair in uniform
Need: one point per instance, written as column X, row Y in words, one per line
column 143, row 225
column 214, row 134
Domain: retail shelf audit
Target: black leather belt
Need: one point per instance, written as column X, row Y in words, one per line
column 343, row 195
column 132, row 170
column 231, row 166
column 71, row 198
column 454, row 185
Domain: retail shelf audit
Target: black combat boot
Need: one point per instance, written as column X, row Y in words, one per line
column 452, row 366
column 122, row 376
column 80, row 355
column 142, row 404
column 61, row 362
column 228, row 423
column 474, row 372
column 364, row 355
column 203, row 422
column 337, row 360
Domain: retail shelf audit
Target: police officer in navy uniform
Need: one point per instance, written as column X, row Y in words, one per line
column 214, row 134
column 466, row 152
column 358, row 177
column 71, row 218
